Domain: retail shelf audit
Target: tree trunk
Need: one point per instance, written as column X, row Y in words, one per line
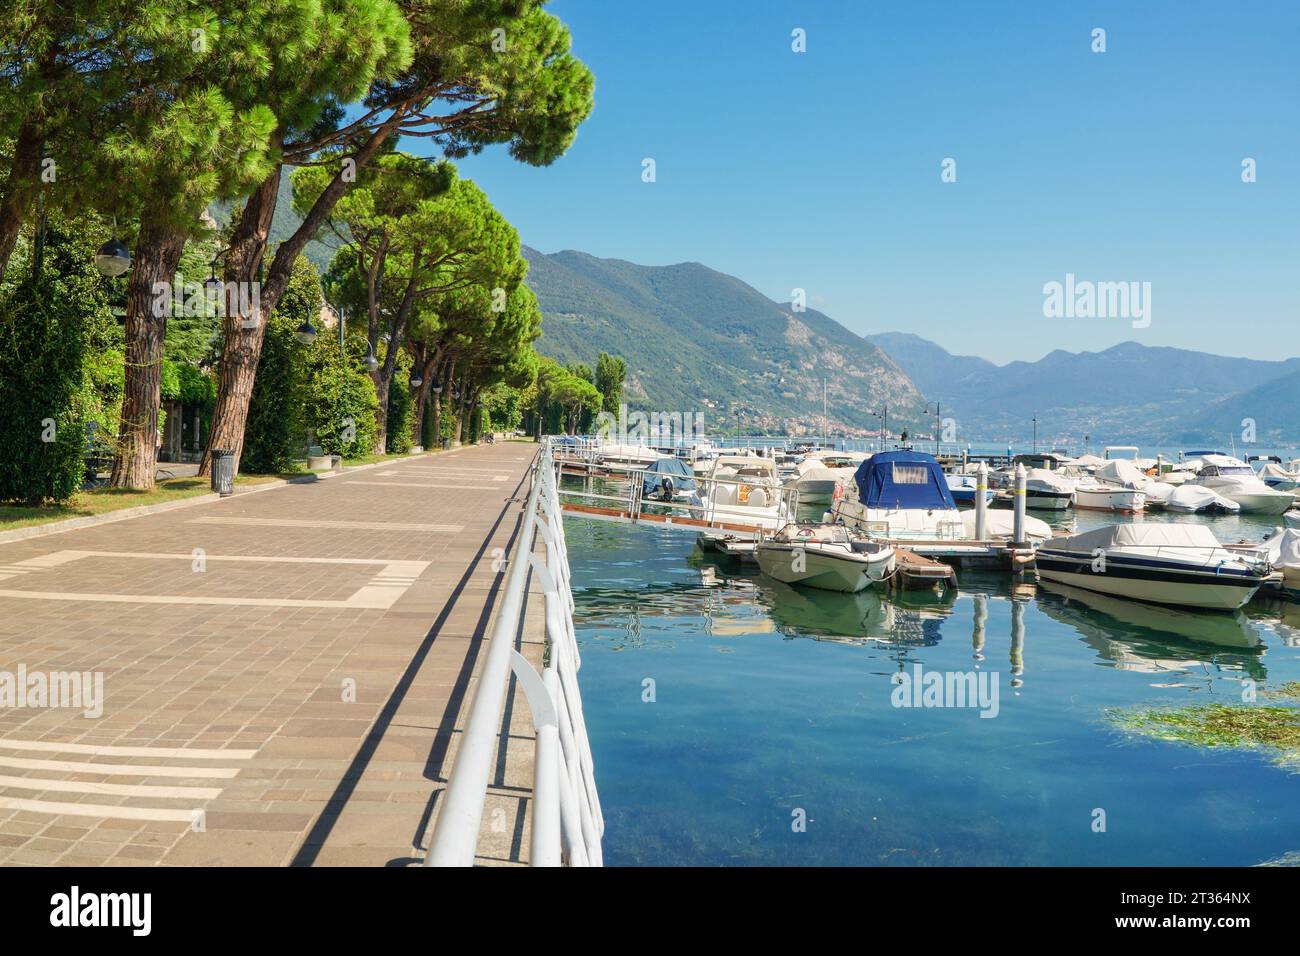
column 243, row 334
column 230, row 413
column 427, row 366
column 382, row 382
column 157, row 255
column 24, row 173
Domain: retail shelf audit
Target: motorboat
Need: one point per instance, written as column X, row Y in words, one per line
column 1234, row 479
column 1046, row 490
column 1116, row 485
column 824, row 556
column 1292, row 519
column 1098, row 496
column 743, row 490
column 904, row 495
column 1282, row 550
column 1180, row 564
column 820, row 475
column 1197, row 499
column 625, row 457
column 1280, row 477
column 964, row 487
column 669, row 479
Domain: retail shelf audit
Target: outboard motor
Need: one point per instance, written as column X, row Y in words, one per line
column 666, row 488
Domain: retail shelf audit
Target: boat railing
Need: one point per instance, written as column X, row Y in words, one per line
column 632, row 501
column 567, row 824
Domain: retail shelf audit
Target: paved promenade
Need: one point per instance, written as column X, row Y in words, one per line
column 283, row 672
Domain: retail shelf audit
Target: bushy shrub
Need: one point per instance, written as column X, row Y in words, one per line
column 44, row 399
column 273, row 434
column 341, row 404
column 401, row 408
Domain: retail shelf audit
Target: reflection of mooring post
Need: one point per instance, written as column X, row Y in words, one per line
column 981, row 504
column 981, row 618
column 1018, row 528
column 1017, row 642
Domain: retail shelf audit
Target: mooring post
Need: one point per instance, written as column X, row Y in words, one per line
column 981, row 500
column 1018, row 529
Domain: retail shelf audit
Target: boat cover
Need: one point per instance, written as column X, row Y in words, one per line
column 1283, row 548
column 1043, row 479
column 676, row 469
column 903, row 479
column 1088, row 461
column 1145, row 535
column 1277, row 471
column 1120, row 472
column 1198, row 497
column 1160, row 491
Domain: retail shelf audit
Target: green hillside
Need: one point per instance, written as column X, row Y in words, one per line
column 699, row 340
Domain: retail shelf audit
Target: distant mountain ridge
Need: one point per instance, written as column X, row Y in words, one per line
column 1127, row 392
column 699, row 340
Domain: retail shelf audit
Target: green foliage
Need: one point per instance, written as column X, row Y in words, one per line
column 401, row 409
column 43, row 344
column 340, row 402
column 275, row 432
column 610, row 373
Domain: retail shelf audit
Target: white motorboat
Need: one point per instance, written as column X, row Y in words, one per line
column 1197, row 499
column 1292, row 519
column 1282, row 549
column 1182, row 564
column 819, row 475
column 743, row 490
column 904, row 495
column 1236, row 480
column 1117, row 485
column 824, row 556
column 1280, row 477
column 1047, row 490
column 1096, row 496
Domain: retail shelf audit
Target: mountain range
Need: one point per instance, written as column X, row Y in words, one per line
column 699, row 340
column 1129, row 392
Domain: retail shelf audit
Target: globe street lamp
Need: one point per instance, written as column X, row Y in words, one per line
column 306, row 333
column 112, row 259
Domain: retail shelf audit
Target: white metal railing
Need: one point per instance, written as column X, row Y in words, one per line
column 567, row 824
column 632, row 500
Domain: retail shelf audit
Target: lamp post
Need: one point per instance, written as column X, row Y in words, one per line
column 1035, row 420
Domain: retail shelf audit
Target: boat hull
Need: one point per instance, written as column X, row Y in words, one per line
column 1259, row 503
column 824, row 571
column 1151, row 581
column 1118, row 500
column 1048, row 500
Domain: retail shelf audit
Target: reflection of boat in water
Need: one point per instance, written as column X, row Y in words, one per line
column 913, row 619
column 1154, row 638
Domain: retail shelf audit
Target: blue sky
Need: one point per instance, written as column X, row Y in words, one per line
column 821, row 170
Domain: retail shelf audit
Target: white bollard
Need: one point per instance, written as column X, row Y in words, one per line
column 981, row 500
column 1018, row 532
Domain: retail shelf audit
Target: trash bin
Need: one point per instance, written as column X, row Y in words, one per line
column 446, row 443
column 223, row 471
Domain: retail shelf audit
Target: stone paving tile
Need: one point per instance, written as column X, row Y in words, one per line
column 325, row 681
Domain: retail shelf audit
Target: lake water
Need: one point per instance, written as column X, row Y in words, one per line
column 772, row 707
